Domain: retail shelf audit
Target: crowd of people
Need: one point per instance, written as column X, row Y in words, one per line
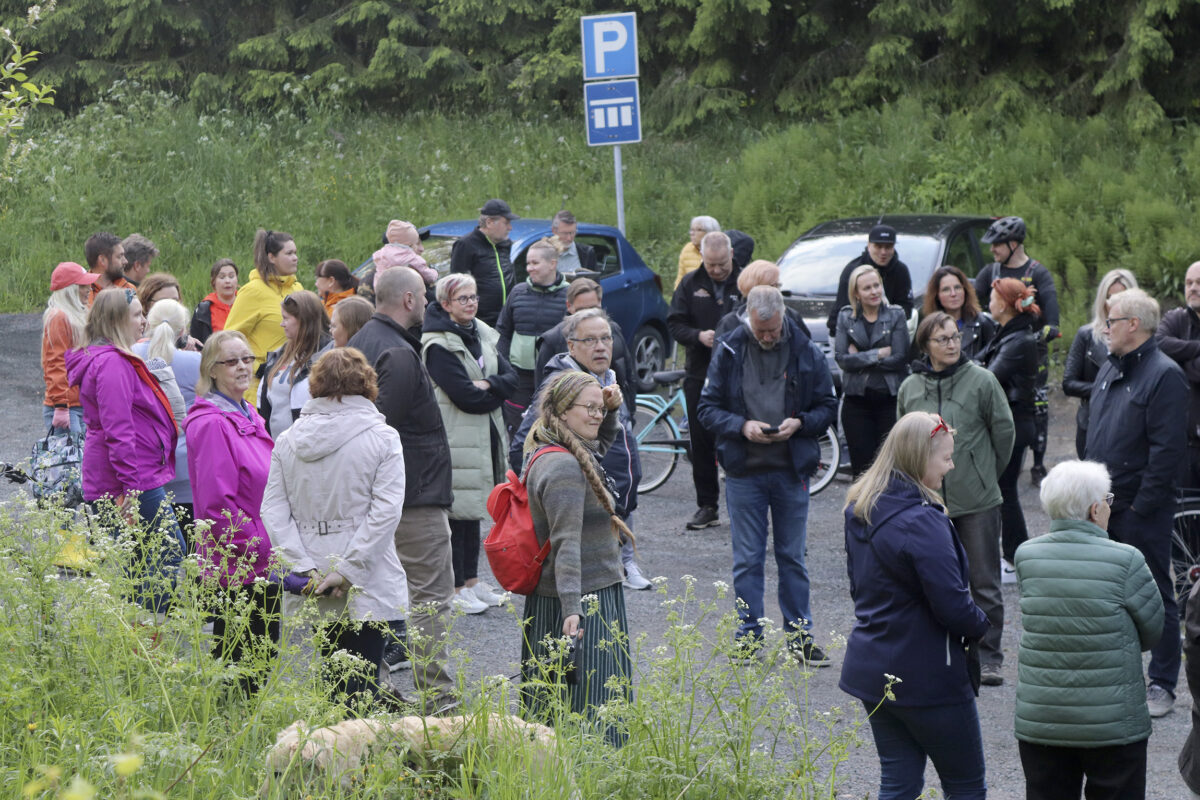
column 340, row 447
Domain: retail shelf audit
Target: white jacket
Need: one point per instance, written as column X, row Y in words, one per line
column 333, row 499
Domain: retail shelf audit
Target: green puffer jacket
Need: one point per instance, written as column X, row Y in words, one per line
column 472, row 471
column 971, row 400
column 1089, row 607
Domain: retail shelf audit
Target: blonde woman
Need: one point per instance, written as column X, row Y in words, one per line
column 573, row 510
column 63, row 324
column 913, row 616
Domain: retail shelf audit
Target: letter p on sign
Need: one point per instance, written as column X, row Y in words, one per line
column 609, row 46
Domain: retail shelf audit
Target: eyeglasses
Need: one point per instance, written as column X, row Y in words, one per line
column 466, row 299
column 1108, row 323
column 592, row 341
column 1108, row 498
column 942, row 341
column 233, row 362
column 941, row 426
column 592, row 411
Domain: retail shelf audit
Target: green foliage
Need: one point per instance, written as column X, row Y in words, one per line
column 18, row 94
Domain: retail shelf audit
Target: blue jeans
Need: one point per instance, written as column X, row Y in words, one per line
column 748, row 499
column 948, row 735
column 76, row 418
column 155, row 569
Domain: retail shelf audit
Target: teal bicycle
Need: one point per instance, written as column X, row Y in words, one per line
column 662, row 441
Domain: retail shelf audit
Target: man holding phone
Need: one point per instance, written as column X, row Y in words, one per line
column 767, row 397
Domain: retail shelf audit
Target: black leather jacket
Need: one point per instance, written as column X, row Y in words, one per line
column 1087, row 354
column 1012, row 357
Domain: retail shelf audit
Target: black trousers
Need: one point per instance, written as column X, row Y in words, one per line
column 866, row 420
column 1057, row 773
column 234, row 638
column 704, row 448
column 464, row 550
column 1012, row 518
column 367, row 643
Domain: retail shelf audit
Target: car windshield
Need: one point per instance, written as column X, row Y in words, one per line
column 813, row 266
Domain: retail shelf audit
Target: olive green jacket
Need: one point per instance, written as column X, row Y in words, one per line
column 971, row 400
column 1089, row 607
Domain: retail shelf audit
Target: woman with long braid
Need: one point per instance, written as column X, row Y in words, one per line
column 572, row 508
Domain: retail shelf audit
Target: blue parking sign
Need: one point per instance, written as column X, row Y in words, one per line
column 609, row 46
column 613, row 111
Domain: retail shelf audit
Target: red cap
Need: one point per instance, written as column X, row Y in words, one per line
column 68, row 273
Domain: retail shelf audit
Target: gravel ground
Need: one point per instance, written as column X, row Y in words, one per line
column 491, row 638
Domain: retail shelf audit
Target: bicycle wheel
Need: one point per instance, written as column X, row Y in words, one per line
column 830, row 460
column 656, row 441
column 1185, row 550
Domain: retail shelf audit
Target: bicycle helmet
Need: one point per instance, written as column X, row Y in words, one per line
column 1005, row 229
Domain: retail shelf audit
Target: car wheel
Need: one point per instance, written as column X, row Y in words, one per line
column 649, row 356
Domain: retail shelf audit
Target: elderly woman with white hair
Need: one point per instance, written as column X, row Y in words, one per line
column 1089, row 608
column 689, row 256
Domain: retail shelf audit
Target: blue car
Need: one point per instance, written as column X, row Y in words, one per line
column 632, row 291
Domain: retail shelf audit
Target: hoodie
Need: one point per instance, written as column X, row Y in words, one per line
column 256, row 313
column 333, row 500
column 131, row 433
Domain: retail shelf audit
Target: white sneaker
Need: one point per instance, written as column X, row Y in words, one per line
column 485, row 594
column 634, row 579
column 468, row 603
column 1008, row 573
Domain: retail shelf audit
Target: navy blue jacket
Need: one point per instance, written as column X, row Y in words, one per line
column 912, row 603
column 810, row 398
column 1137, row 427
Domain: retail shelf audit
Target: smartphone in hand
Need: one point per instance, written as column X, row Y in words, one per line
column 770, row 431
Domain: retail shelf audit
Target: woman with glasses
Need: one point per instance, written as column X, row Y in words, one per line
column 950, row 290
column 906, row 657
column 1089, row 609
column 229, row 445
column 871, row 347
column 471, row 381
column 1012, row 358
column 946, row 382
column 1089, row 350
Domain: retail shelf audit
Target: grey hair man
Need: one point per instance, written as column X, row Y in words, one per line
column 1178, row 336
column 422, row 539
column 140, row 253
column 1137, row 428
column 766, row 439
column 573, row 255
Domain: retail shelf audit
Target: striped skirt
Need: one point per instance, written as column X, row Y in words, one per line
column 603, row 656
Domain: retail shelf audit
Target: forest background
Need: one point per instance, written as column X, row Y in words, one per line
column 195, row 123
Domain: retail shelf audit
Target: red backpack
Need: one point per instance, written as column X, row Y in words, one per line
column 512, row 546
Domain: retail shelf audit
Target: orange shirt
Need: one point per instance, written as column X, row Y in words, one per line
column 56, row 341
column 119, row 283
column 336, row 297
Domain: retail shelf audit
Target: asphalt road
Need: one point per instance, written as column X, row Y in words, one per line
column 491, row 639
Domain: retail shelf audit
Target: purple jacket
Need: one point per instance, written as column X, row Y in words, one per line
column 233, row 454
column 131, row 433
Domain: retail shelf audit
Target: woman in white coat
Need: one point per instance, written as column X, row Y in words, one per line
column 333, row 500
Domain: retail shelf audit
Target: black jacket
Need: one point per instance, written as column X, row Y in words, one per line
column 695, row 308
column 1179, row 337
column 897, row 286
column 530, row 311
column 554, row 342
column 406, row 399
column 448, row 372
column 1136, row 427
column 1031, row 273
column 737, row 317
column 977, row 332
column 1084, row 359
column 492, row 268
column 1012, row 357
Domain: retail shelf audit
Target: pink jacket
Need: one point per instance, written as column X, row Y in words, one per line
column 232, row 454
column 131, row 433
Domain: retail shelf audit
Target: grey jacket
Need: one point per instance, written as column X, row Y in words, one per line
column 891, row 330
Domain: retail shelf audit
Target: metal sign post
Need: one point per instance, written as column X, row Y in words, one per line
column 612, row 108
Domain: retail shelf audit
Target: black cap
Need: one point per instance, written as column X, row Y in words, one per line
column 497, row 208
column 882, row 234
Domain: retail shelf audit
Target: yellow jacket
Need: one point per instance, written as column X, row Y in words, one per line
column 689, row 259
column 256, row 314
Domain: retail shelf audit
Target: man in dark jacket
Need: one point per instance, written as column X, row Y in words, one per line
column 407, row 401
column 485, row 253
column 1178, row 336
column 881, row 254
column 1136, row 427
column 768, row 396
column 702, row 298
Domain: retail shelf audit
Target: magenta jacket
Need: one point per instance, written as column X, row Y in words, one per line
column 131, row 433
column 229, row 457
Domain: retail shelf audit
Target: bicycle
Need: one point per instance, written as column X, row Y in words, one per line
column 1185, row 543
column 661, row 441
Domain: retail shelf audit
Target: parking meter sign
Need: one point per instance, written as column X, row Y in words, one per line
column 609, row 46
column 613, row 112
